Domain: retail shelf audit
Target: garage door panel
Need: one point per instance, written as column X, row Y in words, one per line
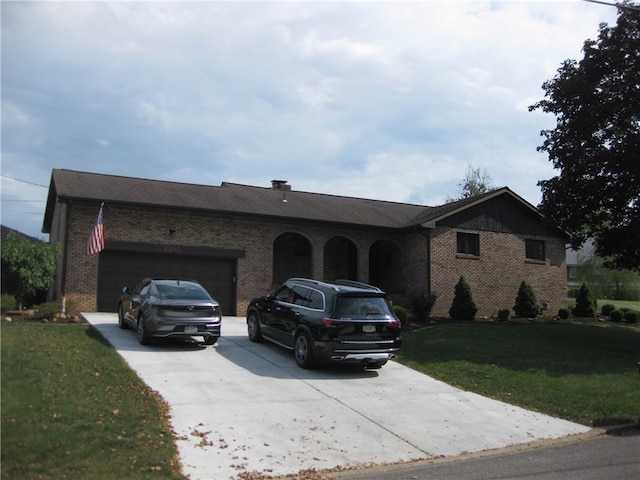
column 118, row 269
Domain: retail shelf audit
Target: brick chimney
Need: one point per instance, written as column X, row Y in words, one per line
column 280, row 185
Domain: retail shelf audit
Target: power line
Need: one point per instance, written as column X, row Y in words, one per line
column 23, row 181
column 17, row 211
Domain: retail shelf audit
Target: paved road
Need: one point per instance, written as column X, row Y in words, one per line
column 241, row 407
column 592, row 457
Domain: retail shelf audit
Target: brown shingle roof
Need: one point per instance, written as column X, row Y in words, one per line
column 228, row 198
column 236, row 199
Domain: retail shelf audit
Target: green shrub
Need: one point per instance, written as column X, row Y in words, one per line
column 8, row 302
column 607, row 308
column 563, row 313
column 615, row 316
column 526, row 302
column 421, row 305
column 585, row 304
column 401, row 313
column 504, row 314
column 631, row 317
column 463, row 306
column 48, row 310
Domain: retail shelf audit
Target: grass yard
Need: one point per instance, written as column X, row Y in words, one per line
column 72, row 409
column 584, row 373
column 631, row 304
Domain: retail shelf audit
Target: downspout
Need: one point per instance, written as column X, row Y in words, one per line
column 65, row 250
column 426, row 233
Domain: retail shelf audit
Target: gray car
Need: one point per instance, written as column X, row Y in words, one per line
column 170, row 309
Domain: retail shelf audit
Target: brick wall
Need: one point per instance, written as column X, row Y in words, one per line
column 495, row 275
column 254, row 236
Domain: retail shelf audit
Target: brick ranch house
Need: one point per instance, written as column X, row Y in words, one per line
column 240, row 241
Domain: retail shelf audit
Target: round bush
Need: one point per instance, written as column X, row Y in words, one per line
column 615, row 316
column 631, row 317
column 607, row 308
column 48, row 310
column 563, row 313
column 401, row 313
column 504, row 314
column 8, row 302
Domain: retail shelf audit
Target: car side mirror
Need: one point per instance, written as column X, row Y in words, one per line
column 125, row 290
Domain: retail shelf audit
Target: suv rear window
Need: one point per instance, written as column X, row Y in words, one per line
column 361, row 306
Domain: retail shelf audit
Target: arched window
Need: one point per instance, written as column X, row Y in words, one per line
column 385, row 266
column 340, row 259
column 291, row 257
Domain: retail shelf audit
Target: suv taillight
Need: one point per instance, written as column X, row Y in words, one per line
column 330, row 322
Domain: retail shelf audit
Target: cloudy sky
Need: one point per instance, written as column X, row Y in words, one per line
column 384, row 100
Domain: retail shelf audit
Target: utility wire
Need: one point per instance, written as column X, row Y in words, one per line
column 23, row 181
column 17, row 211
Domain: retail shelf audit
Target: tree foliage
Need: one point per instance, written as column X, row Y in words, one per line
column 463, row 307
column 585, row 304
column 615, row 284
column 475, row 182
column 596, row 143
column 27, row 267
column 526, row 302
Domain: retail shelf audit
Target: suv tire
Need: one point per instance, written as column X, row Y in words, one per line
column 253, row 327
column 303, row 350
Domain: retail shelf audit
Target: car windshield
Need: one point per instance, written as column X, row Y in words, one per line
column 181, row 291
column 359, row 306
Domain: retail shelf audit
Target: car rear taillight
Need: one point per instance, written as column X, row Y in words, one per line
column 394, row 322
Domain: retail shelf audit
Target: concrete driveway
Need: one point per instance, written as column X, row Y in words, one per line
column 243, row 407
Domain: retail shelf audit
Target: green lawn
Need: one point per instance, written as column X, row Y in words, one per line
column 71, row 408
column 633, row 305
column 584, row 373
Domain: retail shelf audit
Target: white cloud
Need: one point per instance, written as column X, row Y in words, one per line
column 373, row 99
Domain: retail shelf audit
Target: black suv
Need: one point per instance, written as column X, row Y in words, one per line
column 340, row 321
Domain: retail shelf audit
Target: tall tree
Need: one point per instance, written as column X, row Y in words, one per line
column 27, row 267
column 475, row 182
column 596, row 143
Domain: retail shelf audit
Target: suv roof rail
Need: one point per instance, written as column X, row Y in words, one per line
column 303, row 279
column 353, row 283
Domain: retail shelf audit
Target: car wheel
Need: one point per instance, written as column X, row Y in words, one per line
column 122, row 323
column 143, row 336
column 303, row 351
column 253, row 327
column 210, row 340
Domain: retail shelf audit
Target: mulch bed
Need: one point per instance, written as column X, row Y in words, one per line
column 29, row 316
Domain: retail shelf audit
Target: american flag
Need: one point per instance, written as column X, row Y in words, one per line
column 96, row 239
